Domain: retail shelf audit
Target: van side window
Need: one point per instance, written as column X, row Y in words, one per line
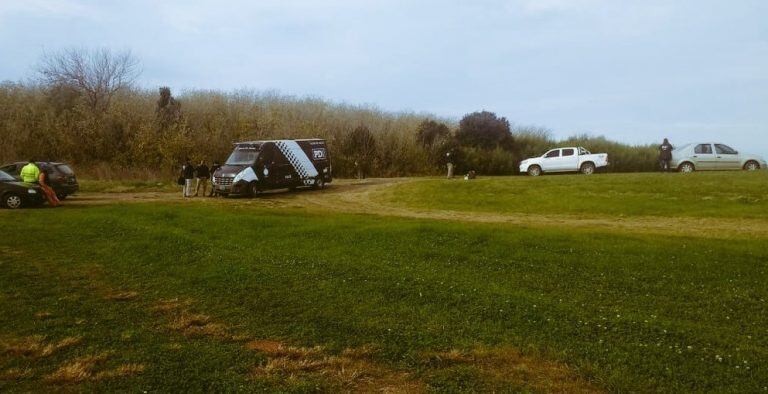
column 553, row 153
column 568, row 152
column 703, row 149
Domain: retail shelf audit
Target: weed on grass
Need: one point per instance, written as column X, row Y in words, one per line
column 87, row 368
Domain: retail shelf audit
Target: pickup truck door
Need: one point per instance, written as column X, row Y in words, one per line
column 704, row 157
column 727, row 158
column 550, row 161
column 569, row 160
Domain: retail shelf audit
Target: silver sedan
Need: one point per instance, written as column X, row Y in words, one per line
column 708, row 156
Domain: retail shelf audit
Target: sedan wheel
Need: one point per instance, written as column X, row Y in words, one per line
column 12, row 201
column 687, row 167
column 752, row 166
column 534, row 171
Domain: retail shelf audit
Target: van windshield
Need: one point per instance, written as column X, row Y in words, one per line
column 243, row 157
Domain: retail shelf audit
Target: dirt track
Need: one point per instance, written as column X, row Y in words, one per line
column 350, row 196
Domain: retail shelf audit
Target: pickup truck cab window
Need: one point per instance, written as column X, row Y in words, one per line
column 552, row 153
column 568, row 152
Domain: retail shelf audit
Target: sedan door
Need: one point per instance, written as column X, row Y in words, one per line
column 704, row 157
column 727, row 158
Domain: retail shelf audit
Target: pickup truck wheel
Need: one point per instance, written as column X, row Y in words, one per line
column 12, row 201
column 587, row 168
column 534, row 170
column 752, row 166
column 686, row 167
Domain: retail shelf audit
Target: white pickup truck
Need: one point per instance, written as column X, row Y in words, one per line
column 569, row 159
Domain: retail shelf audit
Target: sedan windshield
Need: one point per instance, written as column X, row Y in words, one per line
column 5, row 177
column 243, row 156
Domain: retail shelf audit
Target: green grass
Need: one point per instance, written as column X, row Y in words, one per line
column 717, row 194
column 628, row 312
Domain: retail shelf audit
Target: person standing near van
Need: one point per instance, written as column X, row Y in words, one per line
column 30, row 173
column 187, row 174
column 665, row 155
column 203, row 177
column 214, row 167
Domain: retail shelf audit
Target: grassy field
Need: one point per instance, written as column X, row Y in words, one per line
column 714, row 194
column 239, row 295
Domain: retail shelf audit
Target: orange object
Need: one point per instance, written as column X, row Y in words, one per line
column 50, row 195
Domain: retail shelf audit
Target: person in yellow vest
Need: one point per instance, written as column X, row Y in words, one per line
column 30, row 173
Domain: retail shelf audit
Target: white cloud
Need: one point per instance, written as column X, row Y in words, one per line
column 46, row 8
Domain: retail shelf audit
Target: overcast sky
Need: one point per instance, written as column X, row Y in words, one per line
column 634, row 71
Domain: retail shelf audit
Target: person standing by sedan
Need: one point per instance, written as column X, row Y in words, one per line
column 203, row 177
column 187, row 174
column 30, row 173
column 50, row 195
column 665, row 155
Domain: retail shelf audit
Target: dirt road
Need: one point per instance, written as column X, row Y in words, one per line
column 352, row 196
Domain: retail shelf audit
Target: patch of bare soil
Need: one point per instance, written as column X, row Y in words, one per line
column 507, row 366
column 90, row 368
column 36, row 346
column 352, row 369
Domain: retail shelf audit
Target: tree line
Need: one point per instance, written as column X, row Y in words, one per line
column 84, row 108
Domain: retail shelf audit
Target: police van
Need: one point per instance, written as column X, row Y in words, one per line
column 256, row 166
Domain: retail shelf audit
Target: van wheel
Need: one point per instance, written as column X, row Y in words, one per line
column 319, row 183
column 587, row 168
column 254, row 189
column 534, row 170
column 61, row 196
column 12, row 201
column 686, row 167
column 752, row 166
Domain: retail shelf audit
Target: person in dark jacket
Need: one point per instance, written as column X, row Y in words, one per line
column 203, row 177
column 215, row 166
column 665, row 155
column 187, row 174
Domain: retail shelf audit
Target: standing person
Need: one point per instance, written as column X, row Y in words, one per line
column 187, row 174
column 449, row 160
column 214, row 167
column 50, row 194
column 665, row 155
column 30, row 173
column 203, row 177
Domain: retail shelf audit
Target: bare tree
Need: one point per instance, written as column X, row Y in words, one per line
column 97, row 74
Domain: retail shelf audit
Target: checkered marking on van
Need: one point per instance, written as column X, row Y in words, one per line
column 299, row 160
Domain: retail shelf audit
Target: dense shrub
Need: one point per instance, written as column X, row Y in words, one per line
column 150, row 132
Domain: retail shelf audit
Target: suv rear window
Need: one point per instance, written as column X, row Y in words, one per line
column 65, row 169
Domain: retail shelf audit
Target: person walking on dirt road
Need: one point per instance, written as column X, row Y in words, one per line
column 187, row 174
column 665, row 155
column 203, row 177
column 30, row 173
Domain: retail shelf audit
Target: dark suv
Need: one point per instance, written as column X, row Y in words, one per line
column 62, row 178
column 15, row 194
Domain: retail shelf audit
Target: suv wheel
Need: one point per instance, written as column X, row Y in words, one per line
column 12, row 201
column 587, row 168
column 534, row 170
column 752, row 166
